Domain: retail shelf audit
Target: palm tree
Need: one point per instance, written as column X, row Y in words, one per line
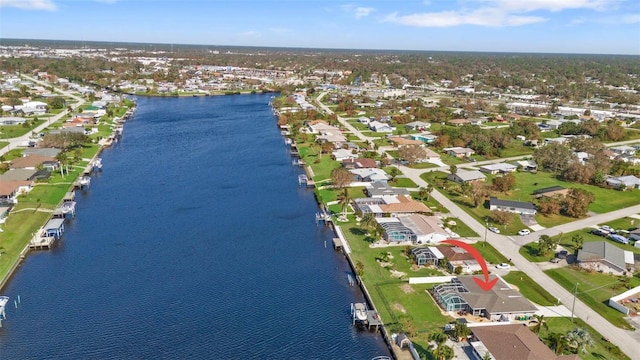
column 558, row 342
column 368, row 221
column 438, row 337
column 443, row 352
column 539, row 323
column 343, row 199
column 579, row 339
column 461, row 330
column 429, row 191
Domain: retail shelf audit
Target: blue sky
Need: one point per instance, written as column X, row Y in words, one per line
column 557, row 26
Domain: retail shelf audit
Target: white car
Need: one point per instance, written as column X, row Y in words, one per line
column 503, row 266
column 524, row 232
column 607, row 228
column 495, row 230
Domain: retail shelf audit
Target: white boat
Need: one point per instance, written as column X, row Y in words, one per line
column 360, row 311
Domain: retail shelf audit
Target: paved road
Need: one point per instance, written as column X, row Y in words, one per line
column 18, row 141
column 628, row 341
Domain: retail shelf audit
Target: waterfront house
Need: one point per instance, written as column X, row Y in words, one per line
column 518, row 207
column 11, row 189
column 511, row 341
column 380, row 188
column 429, row 255
column 344, row 154
column 32, row 162
column 19, row 175
column 501, row 168
column 416, row 228
column 388, row 205
column 500, row 303
column 49, row 152
column 605, row 257
column 462, row 176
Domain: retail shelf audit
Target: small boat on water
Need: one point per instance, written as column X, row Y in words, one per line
column 360, row 311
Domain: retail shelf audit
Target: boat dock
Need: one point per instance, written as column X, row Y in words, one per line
column 362, row 316
column 41, row 241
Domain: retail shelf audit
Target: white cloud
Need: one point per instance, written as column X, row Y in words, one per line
column 497, row 12
column 357, row 11
column 363, row 11
column 631, row 19
column 481, row 17
column 29, row 4
column 253, row 34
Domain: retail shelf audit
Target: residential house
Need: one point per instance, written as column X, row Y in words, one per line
column 527, row 165
column 605, row 257
column 500, row 303
column 425, row 138
column 501, row 168
column 419, row 229
column 459, row 257
column 582, row 156
column 11, row 189
column 459, row 152
column 511, row 341
column 32, row 162
column 624, row 182
column 462, row 176
column 518, row 207
column 635, row 235
column 431, row 155
column 550, row 191
column 377, row 126
column 400, row 141
column 359, row 163
column 390, row 206
column 370, row 175
column 344, row 154
column 320, row 127
column 380, row 188
column 49, row 152
column 560, row 140
column 426, row 255
column 338, row 140
column 364, row 120
column 459, row 122
column 623, row 150
column 417, row 126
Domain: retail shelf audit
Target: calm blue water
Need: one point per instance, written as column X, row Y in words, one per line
column 195, row 242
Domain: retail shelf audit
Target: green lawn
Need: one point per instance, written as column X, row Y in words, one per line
column 594, row 289
column 598, row 352
column 17, row 233
column 530, row 289
column 423, row 165
column 12, row 131
column 489, row 253
column 460, row 228
column 321, row 170
column 403, row 182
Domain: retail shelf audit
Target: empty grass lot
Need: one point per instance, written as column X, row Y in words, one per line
column 594, row 289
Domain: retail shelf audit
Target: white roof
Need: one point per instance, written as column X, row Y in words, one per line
column 434, row 250
column 628, row 257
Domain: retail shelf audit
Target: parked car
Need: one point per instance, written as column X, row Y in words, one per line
column 494, row 229
column 503, row 266
column 562, row 254
column 619, row 238
column 608, row 229
column 524, row 232
column 599, row 232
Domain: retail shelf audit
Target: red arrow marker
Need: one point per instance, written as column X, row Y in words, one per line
column 485, row 284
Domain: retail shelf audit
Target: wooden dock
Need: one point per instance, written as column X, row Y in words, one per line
column 42, row 242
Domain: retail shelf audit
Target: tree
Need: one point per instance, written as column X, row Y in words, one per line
column 553, row 157
column 429, row 191
column 438, row 337
column 550, row 205
column 538, row 324
column 443, row 352
column 579, row 339
column 341, row 177
column 576, row 172
column 453, row 169
column 368, row 221
column 504, row 183
column 56, row 102
column 461, row 330
column 393, row 172
column 558, row 342
column 577, row 201
column 578, row 240
column 411, row 153
column 546, row 244
column 343, row 199
column 477, row 193
column 501, row 217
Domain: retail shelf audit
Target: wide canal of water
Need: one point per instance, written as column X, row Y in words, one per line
column 194, row 242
